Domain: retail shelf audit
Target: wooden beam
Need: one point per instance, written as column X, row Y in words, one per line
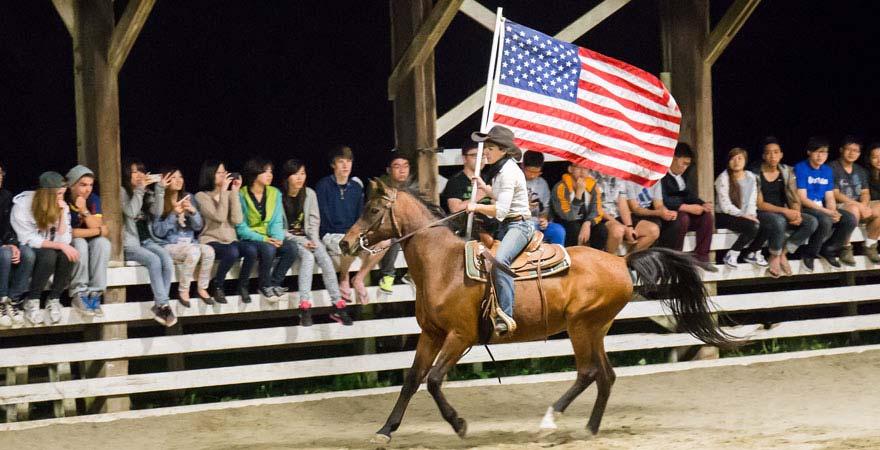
column 127, row 31
column 484, row 16
column 422, row 45
column 578, row 28
column 733, row 20
column 589, row 20
column 685, row 31
column 65, row 10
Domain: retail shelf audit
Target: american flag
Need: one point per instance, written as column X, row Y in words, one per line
column 584, row 107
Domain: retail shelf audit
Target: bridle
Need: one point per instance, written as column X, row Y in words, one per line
column 389, row 199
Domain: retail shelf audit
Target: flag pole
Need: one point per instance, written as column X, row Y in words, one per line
column 494, row 59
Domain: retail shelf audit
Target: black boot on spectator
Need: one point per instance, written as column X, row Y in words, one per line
column 340, row 314
column 831, row 258
column 218, row 296
column 245, row 294
column 809, row 263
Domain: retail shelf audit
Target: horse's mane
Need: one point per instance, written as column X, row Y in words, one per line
column 435, row 210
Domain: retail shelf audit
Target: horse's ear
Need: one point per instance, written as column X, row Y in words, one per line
column 380, row 185
column 374, row 184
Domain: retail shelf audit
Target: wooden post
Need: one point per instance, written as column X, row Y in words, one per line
column 685, row 33
column 415, row 113
column 100, row 47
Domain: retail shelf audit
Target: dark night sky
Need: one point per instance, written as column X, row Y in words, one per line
column 286, row 79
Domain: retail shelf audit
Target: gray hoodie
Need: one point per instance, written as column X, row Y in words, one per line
column 25, row 225
column 133, row 212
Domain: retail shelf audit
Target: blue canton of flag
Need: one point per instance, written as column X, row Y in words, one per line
column 533, row 61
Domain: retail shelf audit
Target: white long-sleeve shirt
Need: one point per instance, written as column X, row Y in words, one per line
column 723, row 203
column 511, row 192
column 25, row 225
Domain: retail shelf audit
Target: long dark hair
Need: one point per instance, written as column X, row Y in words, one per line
column 126, row 173
column 206, row 174
column 733, row 189
column 290, row 167
column 874, row 173
column 169, row 199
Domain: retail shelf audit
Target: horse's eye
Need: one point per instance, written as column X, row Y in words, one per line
column 374, row 210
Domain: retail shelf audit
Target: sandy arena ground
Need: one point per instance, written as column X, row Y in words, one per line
column 818, row 403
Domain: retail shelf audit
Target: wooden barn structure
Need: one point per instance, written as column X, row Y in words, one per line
column 101, row 44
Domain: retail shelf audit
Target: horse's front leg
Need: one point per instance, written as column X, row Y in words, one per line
column 452, row 350
column 426, row 351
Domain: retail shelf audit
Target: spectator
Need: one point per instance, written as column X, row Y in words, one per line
column 262, row 230
column 647, row 205
column 694, row 213
column 737, row 192
column 41, row 221
column 577, row 202
column 219, row 203
column 397, row 175
column 16, row 264
column 340, row 202
column 853, row 195
column 175, row 229
column 511, row 208
column 302, row 222
column 539, row 198
column 779, row 209
column 89, row 239
column 873, row 163
column 615, row 209
column 815, row 183
column 458, row 193
column 138, row 205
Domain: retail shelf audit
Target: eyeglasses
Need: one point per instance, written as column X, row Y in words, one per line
column 470, row 155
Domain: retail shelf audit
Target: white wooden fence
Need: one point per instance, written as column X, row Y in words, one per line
column 18, row 393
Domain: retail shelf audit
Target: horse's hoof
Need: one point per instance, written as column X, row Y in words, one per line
column 461, row 428
column 593, row 429
column 380, row 439
column 548, row 422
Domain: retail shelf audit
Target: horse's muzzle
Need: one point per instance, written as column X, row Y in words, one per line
column 344, row 247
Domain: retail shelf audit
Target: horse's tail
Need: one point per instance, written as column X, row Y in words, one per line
column 673, row 278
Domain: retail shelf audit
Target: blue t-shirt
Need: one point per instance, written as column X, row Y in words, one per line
column 816, row 181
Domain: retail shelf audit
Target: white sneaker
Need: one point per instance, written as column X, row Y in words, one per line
column 32, row 311
column 53, row 307
column 730, row 259
column 5, row 313
column 756, row 258
column 16, row 314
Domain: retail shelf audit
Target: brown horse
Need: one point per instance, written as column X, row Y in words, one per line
column 583, row 301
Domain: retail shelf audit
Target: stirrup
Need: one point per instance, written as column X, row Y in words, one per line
column 511, row 324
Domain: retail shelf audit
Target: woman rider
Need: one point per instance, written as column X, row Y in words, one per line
column 510, row 206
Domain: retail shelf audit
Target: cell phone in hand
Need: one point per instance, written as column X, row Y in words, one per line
column 154, row 177
column 233, row 176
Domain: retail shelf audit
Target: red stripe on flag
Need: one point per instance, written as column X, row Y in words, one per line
column 614, row 114
column 626, row 84
column 581, row 161
column 601, row 91
column 646, row 76
column 622, row 155
column 586, row 123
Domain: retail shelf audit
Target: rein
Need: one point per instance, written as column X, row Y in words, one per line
column 389, row 207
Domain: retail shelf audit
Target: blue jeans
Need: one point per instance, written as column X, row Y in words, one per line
column 554, row 233
column 159, row 265
column 829, row 237
column 307, row 260
column 773, row 228
column 5, row 270
column 227, row 255
column 514, row 238
column 267, row 253
column 15, row 278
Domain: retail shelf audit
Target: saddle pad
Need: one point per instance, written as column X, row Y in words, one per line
column 558, row 258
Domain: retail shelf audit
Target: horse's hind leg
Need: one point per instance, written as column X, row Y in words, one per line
column 450, row 353
column 604, row 380
column 587, row 371
column 426, row 351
